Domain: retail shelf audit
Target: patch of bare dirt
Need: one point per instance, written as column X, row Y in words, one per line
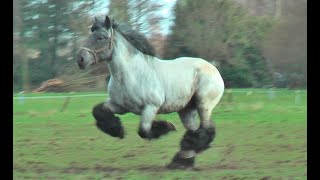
column 159, row 168
column 302, row 162
column 225, row 166
column 129, row 155
column 287, row 146
column 153, row 168
column 281, row 136
column 19, row 113
column 101, row 168
column 219, row 166
column 82, row 115
column 165, row 156
column 37, row 167
column 23, row 140
column 229, row 177
column 280, row 162
column 75, row 170
column 18, row 168
column 52, row 124
column 266, row 178
column 41, row 168
column 227, row 152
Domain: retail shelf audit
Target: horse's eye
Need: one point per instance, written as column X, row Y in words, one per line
column 100, row 38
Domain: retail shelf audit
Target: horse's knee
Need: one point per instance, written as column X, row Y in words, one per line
column 190, row 125
column 107, row 122
column 188, row 117
column 160, row 128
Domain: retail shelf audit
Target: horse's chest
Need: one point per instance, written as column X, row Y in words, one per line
column 123, row 96
column 127, row 98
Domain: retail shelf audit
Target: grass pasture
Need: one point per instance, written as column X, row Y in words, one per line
column 260, row 135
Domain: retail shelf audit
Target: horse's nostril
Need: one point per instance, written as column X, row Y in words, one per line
column 80, row 62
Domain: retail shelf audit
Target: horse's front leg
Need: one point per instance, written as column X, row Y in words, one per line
column 150, row 129
column 106, row 121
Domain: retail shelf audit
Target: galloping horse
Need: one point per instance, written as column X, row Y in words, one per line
column 145, row 85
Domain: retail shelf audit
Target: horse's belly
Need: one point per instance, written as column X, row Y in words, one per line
column 178, row 92
column 136, row 105
column 126, row 102
column 133, row 100
column 175, row 104
column 170, row 108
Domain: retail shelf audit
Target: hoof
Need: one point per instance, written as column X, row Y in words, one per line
column 145, row 135
column 198, row 140
column 107, row 122
column 112, row 130
column 181, row 163
column 160, row 128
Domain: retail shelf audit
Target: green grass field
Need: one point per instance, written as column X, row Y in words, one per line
column 257, row 138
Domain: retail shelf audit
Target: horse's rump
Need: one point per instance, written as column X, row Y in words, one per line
column 185, row 77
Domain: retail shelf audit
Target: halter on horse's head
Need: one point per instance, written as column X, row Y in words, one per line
column 94, row 52
column 102, row 41
column 99, row 45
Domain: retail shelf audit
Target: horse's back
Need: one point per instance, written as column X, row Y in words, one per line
column 196, row 69
column 206, row 71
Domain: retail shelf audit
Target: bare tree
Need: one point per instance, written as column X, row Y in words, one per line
column 119, row 10
column 19, row 50
column 143, row 14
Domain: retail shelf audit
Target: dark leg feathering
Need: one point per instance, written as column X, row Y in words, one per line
column 158, row 129
column 107, row 122
column 193, row 142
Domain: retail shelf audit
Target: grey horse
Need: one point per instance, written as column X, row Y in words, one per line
column 145, row 85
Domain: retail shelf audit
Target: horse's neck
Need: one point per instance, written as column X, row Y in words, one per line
column 125, row 59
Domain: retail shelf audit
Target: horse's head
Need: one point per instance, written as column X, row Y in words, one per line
column 98, row 46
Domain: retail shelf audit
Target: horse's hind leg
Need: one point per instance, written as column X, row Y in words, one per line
column 186, row 156
column 195, row 139
column 106, row 121
column 192, row 143
column 207, row 101
column 188, row 116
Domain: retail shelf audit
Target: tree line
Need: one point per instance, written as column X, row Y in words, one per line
column 250, row 50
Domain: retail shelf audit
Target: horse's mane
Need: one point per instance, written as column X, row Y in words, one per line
column 138, row 40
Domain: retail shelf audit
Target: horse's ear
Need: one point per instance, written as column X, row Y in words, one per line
column 94, row 24
column 107, row 22
column 112, row 22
